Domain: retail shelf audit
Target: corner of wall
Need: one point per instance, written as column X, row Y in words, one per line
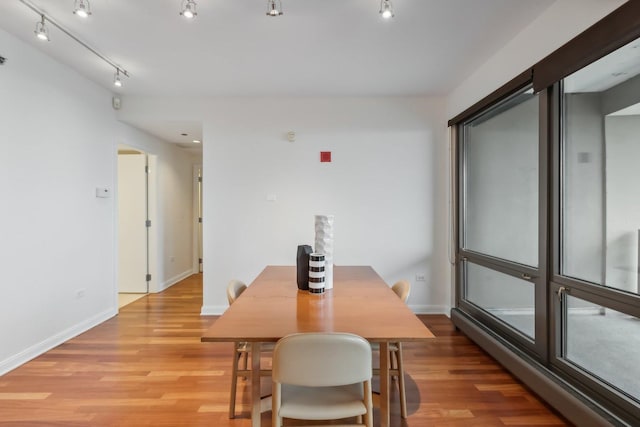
column 173, row 280
column 212, row 310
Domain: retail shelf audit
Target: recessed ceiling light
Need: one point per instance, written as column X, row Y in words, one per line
column 184, row 134
column 196, row 141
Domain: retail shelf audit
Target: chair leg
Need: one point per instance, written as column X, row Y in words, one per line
column 245, row 363
column 276, row 390
column 394, row 362
column 368, row 416
column 403, row 397
column 234, row 381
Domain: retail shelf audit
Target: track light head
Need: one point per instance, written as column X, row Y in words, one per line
column 274, row 7
column 42, row 32
column 82, row 8
column 386, row 9
column 116, row 79
column 189, row 9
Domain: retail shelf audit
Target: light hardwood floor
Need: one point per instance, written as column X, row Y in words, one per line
column 147, row 367
column 126, row 299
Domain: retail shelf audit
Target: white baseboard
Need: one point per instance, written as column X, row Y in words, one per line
column 36, row 350
column 175, row 279
column 213, row 310
column 431, row 309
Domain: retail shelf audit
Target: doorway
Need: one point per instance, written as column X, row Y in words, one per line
column 197, row 208
column 133, row 224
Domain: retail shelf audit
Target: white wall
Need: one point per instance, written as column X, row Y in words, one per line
column 387, row 185
column 58, row 142
column 562, row 21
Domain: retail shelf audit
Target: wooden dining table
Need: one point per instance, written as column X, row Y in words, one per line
column 360, row 303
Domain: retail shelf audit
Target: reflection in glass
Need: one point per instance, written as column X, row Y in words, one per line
column 600, row 170
column 508, row 298
column 605, row 343
column 501, row 181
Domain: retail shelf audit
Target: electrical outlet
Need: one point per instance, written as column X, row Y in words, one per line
column 420, row 278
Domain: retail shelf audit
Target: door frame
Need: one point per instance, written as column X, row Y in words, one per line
column 197, row 214
column 152, row 209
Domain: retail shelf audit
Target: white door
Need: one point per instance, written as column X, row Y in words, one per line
column 132, row 230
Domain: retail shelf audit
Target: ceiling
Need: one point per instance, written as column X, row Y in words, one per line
column 317, row 48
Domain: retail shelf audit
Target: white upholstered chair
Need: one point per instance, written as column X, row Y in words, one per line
column 322, row 376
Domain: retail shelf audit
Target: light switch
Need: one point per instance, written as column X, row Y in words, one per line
column 103, row 192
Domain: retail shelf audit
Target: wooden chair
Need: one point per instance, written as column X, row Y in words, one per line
column 322, row 376
column 402, row 290
column 241, row 349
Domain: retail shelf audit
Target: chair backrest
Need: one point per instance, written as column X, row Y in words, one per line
column 320, row 359
column 402, row 289
column 234, row 289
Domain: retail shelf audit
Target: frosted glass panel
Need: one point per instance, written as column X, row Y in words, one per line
column 501, row 182
column 605, row 343
column 506, row 297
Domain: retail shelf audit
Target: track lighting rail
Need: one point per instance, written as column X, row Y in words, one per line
column 48, row 19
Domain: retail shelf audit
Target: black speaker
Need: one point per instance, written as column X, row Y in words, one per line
column 302, row 263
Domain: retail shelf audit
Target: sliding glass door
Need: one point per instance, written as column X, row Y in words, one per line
column 597, row 313
column 499, row 225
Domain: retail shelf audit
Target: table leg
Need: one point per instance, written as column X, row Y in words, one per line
column 385, row 418
column 255, row 384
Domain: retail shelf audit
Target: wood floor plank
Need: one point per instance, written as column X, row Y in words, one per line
column 147, row 367
column 24, row 396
